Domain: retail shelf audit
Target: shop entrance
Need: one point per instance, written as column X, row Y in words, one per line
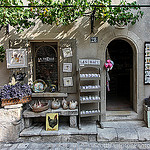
column 120, row 97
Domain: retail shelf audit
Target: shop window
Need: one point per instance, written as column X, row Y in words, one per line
column 49, row 61
column 46, row 64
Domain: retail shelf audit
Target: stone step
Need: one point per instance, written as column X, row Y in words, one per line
column 121, row 115
column 37, row 133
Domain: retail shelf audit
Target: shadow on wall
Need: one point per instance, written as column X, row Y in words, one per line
column 81, row 30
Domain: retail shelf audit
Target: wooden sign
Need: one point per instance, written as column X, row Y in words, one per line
column 83, row 62
column 52, row 122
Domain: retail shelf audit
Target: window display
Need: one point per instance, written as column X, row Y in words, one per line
column 46, row 63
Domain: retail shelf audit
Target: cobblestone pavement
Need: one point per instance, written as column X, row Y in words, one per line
column 77, row 146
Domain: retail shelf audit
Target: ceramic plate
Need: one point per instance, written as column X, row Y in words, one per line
column 39, row 86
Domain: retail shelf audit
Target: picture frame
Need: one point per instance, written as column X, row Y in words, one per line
column 67, row 52
column 16, row 58
column 52, row 121
column 147, row 63
column 67, row 67
column 68, row 81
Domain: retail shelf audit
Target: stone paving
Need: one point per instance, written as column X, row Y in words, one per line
column 124, row 131
column 77, row 146
column 116, row 135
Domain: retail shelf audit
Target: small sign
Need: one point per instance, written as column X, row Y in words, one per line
column 147, row 63
column 67, row 52
column 83, row 62
column 52, row 122
column 68, row 81
column 94, row 40
column 67, row 67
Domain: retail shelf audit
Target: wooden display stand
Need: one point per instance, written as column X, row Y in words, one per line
column 89, row 88
column 28, row 114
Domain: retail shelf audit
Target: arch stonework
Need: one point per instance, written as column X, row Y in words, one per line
column 138, row 62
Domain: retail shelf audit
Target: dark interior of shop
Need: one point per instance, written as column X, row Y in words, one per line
column 119, row 98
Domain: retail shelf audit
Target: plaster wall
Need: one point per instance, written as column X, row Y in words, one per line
column 136, row 35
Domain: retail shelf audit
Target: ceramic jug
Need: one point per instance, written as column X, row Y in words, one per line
column 72, row 104
column 55, row 104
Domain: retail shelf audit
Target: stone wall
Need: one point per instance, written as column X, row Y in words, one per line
column 10, row 124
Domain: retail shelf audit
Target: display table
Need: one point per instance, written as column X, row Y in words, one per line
column 29, row 114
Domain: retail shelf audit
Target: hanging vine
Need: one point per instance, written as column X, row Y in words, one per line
column 2, row 53
column 62, row 13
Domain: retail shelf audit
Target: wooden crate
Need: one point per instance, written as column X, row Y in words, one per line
column 13, row 101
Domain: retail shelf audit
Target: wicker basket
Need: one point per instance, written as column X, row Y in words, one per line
column 40, row 109
column 13, row 101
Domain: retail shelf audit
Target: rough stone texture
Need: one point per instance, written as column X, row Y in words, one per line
column 107, row 134
column 127, row 134
column 10, row 125
column 74, row 138
column 27, row 122
column 73, row 121
column 78, row 146
column 92, row 138
column 143, row 134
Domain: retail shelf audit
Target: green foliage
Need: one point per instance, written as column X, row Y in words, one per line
column 23, row 17
column 2, row 53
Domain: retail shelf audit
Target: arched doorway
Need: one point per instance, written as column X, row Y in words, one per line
column 120, row 96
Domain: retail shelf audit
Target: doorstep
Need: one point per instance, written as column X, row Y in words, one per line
column 37, row 133
column 121, row 115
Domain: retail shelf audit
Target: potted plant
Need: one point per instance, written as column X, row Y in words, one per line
column 15, row 94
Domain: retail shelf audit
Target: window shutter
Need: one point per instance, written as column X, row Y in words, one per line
column 66, row 44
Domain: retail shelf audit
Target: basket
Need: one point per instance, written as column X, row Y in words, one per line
column 40, row 109
column 14, row 101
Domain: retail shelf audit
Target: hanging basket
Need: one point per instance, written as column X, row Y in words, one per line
column 13, row 101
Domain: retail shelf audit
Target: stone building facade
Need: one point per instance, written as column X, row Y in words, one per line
column 133, row 36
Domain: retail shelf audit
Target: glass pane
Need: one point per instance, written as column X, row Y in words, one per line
column 46, row 65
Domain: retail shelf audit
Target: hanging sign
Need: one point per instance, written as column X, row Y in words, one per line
column 83, row 62
column 147, row 63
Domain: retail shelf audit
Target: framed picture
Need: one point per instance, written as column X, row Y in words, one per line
column 52, row 122
column 68, row 81
column 16, row 58
column 67, row 52
column 147, row 63
column 67, row 67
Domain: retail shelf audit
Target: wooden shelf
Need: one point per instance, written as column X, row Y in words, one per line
column 48, row 94
column 90, row 101
column 91, row 114
column 91, row 78
column 62, row 112
column 90, row 90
